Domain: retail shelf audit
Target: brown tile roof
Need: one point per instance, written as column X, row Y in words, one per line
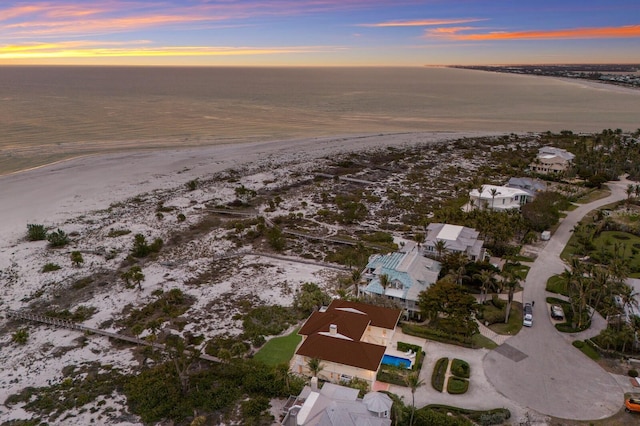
column 379, row 316
column 350, row 324
column 341, row 351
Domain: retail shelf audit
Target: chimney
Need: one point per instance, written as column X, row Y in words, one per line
column 333, row 329
column 314, row 384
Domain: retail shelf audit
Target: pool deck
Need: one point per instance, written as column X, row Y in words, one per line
column 399, row 336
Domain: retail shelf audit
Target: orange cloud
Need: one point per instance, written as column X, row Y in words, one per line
column 459, row 33
column 421, row 23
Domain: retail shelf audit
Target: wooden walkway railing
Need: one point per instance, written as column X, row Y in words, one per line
column 57, row 322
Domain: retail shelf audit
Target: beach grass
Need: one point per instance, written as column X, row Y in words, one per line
column 279, row 349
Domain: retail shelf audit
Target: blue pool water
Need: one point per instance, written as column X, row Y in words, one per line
column 396, row 360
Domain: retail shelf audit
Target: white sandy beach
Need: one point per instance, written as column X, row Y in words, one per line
column 72, row 195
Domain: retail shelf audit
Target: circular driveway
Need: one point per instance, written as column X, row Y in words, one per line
column 539, row 368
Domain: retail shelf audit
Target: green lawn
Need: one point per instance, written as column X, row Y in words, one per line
column 557, row 284
column 586, row 349
column 479, row 341
column 521, row 271
column 629, row 244
column 279, row 349
column 594, row 195
column 515, row 322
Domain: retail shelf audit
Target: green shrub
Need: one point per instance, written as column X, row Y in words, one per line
column 457, row 386
column 118, row 233
column 36, row 232
column 497, row 302
column 20, row 337
column 406, row 347
column 439, row 371
column 460, row 368
column 392, row 375
column 192, row 185
column 58, row 238
column 181, row 217
column 633, row 373
column 578, row 344
column 49, row 267
column 436, row 335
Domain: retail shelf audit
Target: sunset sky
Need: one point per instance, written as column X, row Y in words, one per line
column 318, row 32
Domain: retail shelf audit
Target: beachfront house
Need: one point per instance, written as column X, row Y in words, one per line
column 335, row 405
column 551, row 160
column 498, row 198
column 445, row 238
column 407, row 274
column 349, row 339
column 531, row 185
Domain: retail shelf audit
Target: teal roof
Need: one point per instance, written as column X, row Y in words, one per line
column 411, row 276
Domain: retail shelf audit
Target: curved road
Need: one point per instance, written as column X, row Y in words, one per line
column 539, row 368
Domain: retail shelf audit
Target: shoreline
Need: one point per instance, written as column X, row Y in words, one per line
column 54, row 192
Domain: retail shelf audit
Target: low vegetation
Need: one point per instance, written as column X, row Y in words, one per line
column 439, row 372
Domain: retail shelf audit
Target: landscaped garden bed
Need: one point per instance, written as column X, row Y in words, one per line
column 439, row 372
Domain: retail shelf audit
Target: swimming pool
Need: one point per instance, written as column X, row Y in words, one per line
column 396, row 361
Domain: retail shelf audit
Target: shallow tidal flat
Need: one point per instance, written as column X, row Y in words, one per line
column 52, row 113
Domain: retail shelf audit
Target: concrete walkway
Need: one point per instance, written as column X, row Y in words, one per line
column 481, row 394
column 539, row 368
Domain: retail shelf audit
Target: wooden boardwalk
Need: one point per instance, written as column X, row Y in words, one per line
column 57, row 322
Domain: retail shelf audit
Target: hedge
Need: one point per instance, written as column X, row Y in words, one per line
column 474, row 415
column 406, row 347
column 436, row 335
column 439, row 370
column 391, row 376
column 460, row 368
column 457, row 386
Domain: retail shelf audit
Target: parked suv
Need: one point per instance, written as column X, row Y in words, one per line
column 527, row 320
column 556, row 312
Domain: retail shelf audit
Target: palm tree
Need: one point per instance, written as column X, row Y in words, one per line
column 418, row 237
column 494, row 192
column 315, row 366
column 511, row 281
column 486, row 279
column 413, row 382
column 630, row 192
column 440, row 246
column 355, row 279
column 136, row 275
column 629, row 297
column 384, row 282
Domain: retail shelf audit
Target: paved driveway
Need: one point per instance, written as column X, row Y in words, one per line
column 539, row 368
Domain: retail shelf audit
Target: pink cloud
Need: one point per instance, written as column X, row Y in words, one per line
column 463, row 34
column 422, row 22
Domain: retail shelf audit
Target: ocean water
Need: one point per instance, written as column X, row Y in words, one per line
column 50, row 113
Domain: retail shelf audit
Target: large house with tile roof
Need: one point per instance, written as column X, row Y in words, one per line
column 349, row 338
column 551, row 160
column 408, row 274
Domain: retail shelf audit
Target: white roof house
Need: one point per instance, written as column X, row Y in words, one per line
column 551, row 160
column 409, row 274
column 455, row 238
column 336, row 405
column 499, row 197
